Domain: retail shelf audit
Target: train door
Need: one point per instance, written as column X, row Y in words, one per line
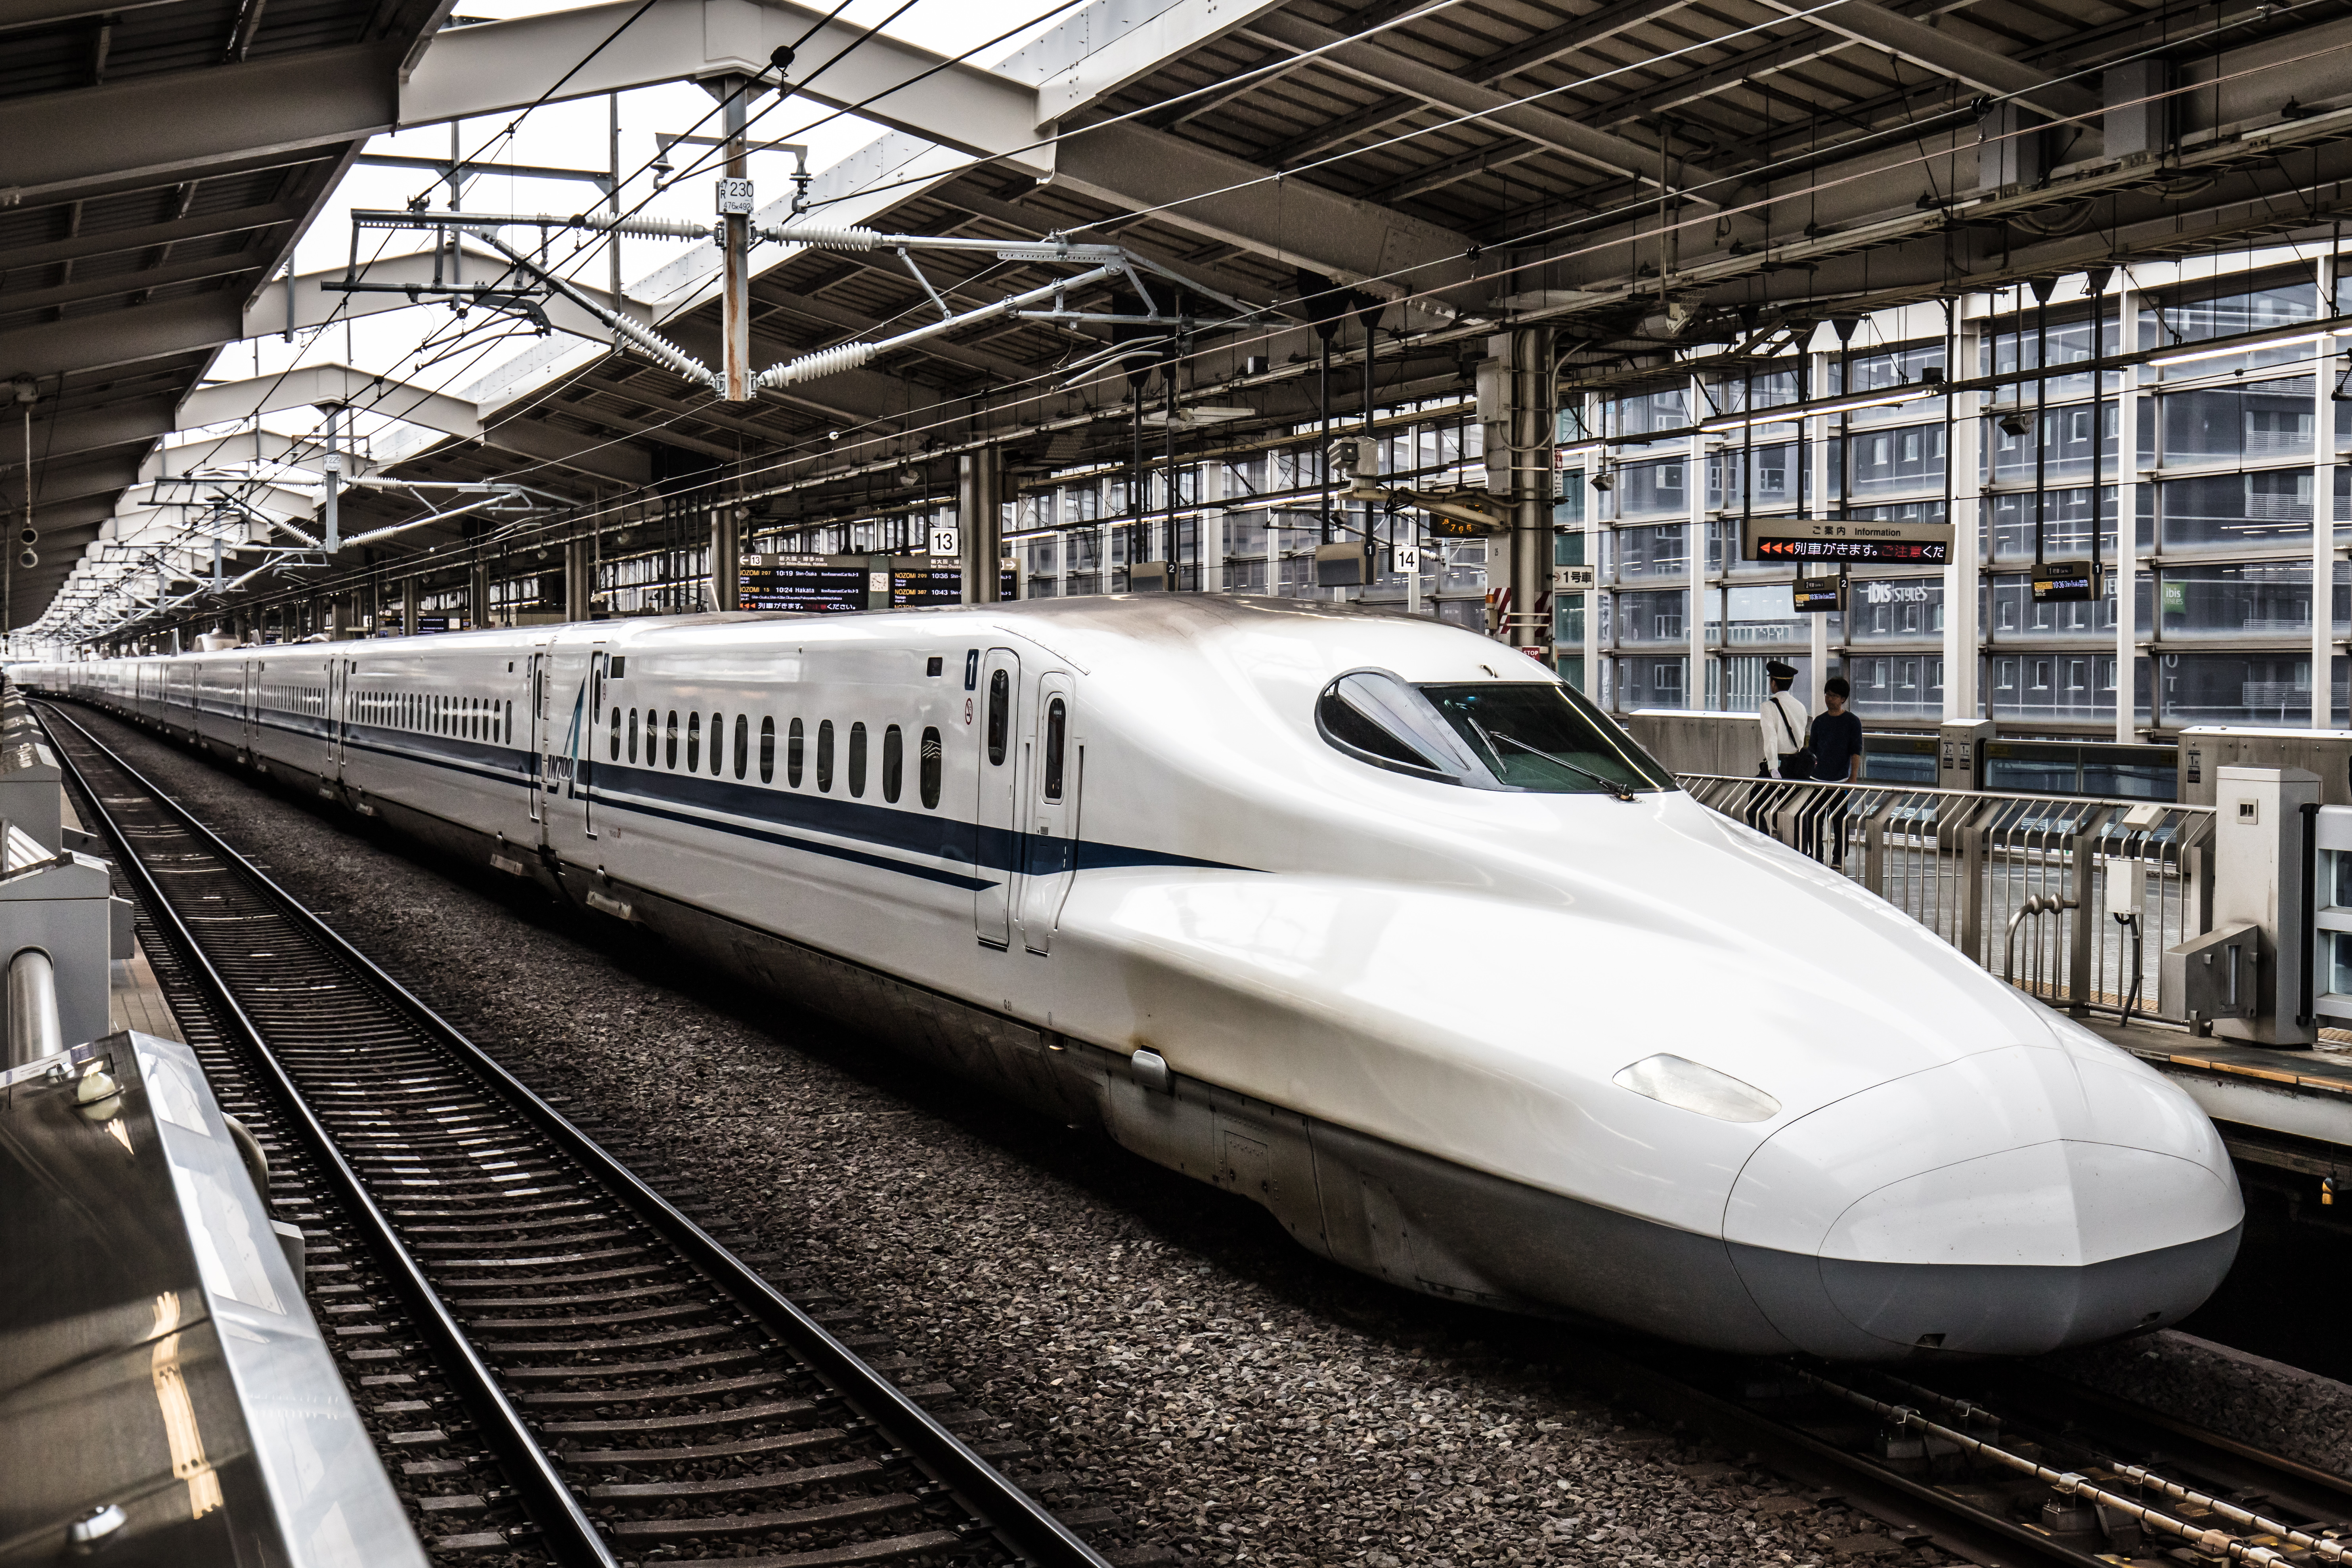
column 248, row 708
column 536, row 737
column 996, row 816
column 583, row 741
column 337, row 679
column 1050, row 843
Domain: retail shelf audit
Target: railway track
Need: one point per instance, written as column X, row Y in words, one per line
column 567, row 1365
column 2001, row 1464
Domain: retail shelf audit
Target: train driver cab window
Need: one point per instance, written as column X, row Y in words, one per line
column 857, row 759
column 1539, row 736
column 1000, row 715
column 792, row 743
column 669, row 741
column 894, row 763
column 694, row 743
column 742, row 745
column 824, row 756
column 1057, row 740
column 767, row 750
column 926, row 769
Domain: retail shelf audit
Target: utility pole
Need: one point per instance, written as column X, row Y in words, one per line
column 735, row 371
column 334, row 478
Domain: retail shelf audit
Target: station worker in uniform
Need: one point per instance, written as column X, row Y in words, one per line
column 1781, row 726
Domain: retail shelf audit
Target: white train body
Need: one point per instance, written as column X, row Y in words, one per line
column 1443, row 1033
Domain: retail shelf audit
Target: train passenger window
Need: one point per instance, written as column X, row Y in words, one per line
column 509, row 736
column 693, row 742
column 718, row 744
column 792, row 755
column 633, row 734
column 1057, row 737
column 857, row 759
column 768, row 751
column 742, row 745
column 669, row 741
column 1000, row 711
column 926, row 769
column 616, row 735
column 824, row 756
column 894, row 763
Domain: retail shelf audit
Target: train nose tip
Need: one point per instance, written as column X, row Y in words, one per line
column 2111, row 1209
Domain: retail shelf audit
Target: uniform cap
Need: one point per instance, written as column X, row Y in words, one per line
column 1780, row 671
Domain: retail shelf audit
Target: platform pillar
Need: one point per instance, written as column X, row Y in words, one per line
column 726, row 558
column 979, row 522
column 1526, row 624
column 579, row 578
column 477, row 593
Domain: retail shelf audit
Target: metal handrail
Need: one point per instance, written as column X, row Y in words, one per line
column 1975, row 865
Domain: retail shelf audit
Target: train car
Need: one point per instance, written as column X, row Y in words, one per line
column 1365, row 918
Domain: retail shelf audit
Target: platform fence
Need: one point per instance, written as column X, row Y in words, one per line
column 2034, row 888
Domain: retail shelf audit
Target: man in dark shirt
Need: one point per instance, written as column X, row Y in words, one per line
column 1837, row 735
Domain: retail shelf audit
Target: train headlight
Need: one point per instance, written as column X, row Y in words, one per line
column 1687, row 1085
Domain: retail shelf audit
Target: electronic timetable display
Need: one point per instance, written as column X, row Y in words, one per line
column 1858, row 541
column 812, row 587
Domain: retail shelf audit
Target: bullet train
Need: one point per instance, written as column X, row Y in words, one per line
column 1367, row 919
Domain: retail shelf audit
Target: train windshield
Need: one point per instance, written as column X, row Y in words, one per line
column 1514, row 735
column 1543, row 736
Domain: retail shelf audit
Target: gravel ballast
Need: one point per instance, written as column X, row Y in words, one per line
column 1191, row 1386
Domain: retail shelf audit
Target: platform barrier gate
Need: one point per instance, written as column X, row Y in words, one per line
column 2075, row 899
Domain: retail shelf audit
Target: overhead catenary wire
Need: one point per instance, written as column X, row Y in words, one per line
column 788, row 458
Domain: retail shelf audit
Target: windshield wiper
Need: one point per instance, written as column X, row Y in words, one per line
column 1611, row 785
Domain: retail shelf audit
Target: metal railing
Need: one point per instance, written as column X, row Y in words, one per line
column 2073, row 900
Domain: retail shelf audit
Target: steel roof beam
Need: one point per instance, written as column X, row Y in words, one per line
column 135, row 420
column 180, row 122
column 1939, row 51
column 1378, row 63
column 494, row 67
column 210, row 226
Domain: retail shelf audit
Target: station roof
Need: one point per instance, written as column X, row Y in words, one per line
column 1662, row 181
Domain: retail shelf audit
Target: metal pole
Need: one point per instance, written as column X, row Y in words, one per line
column 1531, row 427
column 2322, row 517
column 980, row 524
column 334, row 480
column 1694, row 546
column 33, row 1031
column 612, row 204
column 735, row 318
column 2127, row 526
column 1323, row 445
column 1172, row 556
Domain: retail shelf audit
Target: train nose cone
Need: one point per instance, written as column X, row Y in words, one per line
column 2011, row 1203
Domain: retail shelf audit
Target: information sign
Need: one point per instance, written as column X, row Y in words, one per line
column 2064, row 582
column 810, row 585
column 1836, row 538
column 1573, row 579
column 1819, row 596
column 734, row 197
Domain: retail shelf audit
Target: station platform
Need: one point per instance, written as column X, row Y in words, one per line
column 2290, row 1110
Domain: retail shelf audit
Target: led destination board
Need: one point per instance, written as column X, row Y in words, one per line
column 812, row 585
column 838, row 584
column 1830, row 539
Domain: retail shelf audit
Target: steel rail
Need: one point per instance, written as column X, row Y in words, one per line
column 565, row 1528
column 1022, row 1524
